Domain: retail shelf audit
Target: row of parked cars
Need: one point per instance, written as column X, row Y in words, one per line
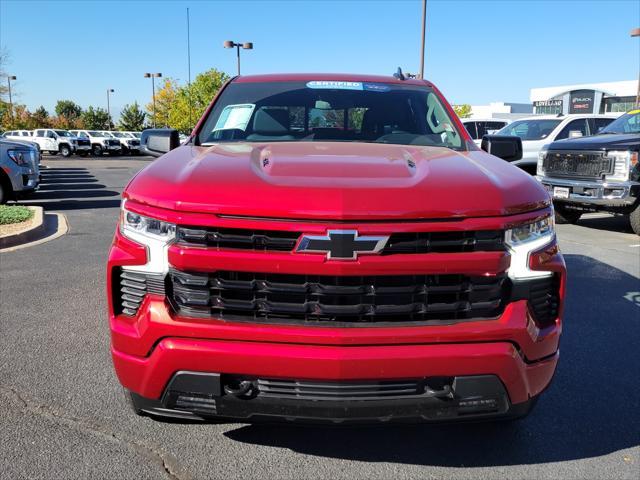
column 587, row 163
column 79, row 142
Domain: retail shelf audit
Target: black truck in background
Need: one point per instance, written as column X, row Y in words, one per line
column 596, row 173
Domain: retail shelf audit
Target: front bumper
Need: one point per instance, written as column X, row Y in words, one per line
column 112, row 148
column 196, row 396
column 83, row 148
column 593, row 193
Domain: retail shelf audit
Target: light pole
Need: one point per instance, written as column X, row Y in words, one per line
column 636, row 33
column 245, row 46
column 9, row 78
column 153, row 76
column 109, row 91
column 424, row 29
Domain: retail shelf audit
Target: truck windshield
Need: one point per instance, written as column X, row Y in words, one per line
column 330, row 111
column 530, row 129
column 627, row 123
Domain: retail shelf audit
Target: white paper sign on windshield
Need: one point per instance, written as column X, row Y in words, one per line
column 235, row 117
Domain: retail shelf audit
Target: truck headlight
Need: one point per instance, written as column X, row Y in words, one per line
column 156, row 235
column 527, row 238
column 623, row 161
column 540, row 166
column 21, row 157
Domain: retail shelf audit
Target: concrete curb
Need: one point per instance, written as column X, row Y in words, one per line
column 55, row 226
column 28, row 234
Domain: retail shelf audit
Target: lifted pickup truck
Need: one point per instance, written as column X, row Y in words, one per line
column 597, row 173
column 333, row 248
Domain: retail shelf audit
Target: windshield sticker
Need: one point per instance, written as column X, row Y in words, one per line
column 332, row 84
column 376, row 87
column 338, row 85
column 235, row 117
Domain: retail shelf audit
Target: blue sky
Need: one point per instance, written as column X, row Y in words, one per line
column 477, row 51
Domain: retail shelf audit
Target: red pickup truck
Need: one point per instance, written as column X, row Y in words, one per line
column 333, row 248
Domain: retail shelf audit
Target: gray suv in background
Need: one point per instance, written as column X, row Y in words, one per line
column 19, row 171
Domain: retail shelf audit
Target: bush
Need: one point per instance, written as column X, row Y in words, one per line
column 14, row 214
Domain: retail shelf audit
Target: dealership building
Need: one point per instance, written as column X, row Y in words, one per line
column 608, row 97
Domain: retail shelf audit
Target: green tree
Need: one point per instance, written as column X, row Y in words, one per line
column 132, row 118
column 41, row 117
column 68, row 112
column 463, row 111
column 95, row 119
column 180, row 106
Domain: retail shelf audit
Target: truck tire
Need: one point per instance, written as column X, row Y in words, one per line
column 564, row 215
column 65, row 150
column 634, row 219
column 5, row 188
column 96, row 150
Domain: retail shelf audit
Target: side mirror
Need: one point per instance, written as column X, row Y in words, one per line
column 506, row 147
column 575, row 133
column 157, row 142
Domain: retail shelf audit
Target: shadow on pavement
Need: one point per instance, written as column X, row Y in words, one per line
column 590, row 409
column 72, row 189
column 613, row 223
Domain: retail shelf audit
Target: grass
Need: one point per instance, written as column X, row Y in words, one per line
column 14, row 214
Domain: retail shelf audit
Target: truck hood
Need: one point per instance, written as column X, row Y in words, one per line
column 618, row 141
column 337, row 181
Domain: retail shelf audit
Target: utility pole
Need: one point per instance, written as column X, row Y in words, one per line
column 109, row 91
column 424, row 31
column 189, row 68
column 153, row 76
column 636, row 33
column 9, row 78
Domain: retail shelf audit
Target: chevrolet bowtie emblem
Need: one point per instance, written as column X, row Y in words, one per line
column 342, row 244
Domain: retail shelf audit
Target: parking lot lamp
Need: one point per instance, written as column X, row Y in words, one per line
column 9, row 78
column 153, row 76
column 245, row 46
column 636, row 33
column 109, row 91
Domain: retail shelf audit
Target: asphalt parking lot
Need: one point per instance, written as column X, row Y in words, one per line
column 64, row 416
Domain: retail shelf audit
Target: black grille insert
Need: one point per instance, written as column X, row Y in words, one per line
column 132, row 288
column 313, row 298
column 276, row 240
column 577, row 164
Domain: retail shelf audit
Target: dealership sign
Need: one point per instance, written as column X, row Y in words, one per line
column 547, row 103
column 581, row 101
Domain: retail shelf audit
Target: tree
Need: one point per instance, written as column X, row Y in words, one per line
column 68, row 113
column 165, row 97
column 41, row 117
column 181, row 106
column 95, row 119
column 463, row 111
column 132, row 118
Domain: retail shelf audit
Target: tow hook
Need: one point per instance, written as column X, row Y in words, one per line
column 243, row 388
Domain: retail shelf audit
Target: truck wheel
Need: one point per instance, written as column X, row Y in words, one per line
column 3, row 194
column 96, row 150
column 634, row 219
column 564, row 215
column 65, row 151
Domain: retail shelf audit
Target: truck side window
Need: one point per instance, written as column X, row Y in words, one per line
column 580, row 125
column 471, row 128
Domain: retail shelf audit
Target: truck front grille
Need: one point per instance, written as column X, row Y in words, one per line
column 132, row 288
column 577, row 164
column 83, row 141
column 353, row 299
column 277, row 240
